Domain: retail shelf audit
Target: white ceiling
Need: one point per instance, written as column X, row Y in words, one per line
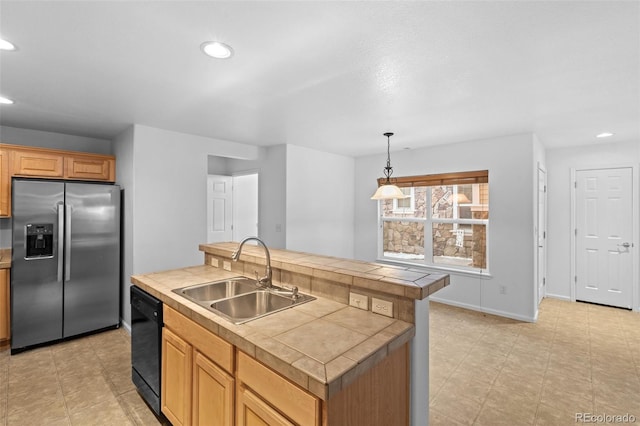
column 331, row 75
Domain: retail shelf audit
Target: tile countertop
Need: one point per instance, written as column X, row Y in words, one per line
column 409, row 282
column 5, row 258
column 322, row 345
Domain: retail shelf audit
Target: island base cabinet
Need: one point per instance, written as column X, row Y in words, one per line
column 212, row 393
column 253, row 411
column 263, row 393
column 195, row 390
column 176, row 379
column 378, row 397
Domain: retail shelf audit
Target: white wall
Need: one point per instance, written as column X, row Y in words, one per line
column 320, row 219
column 170, row 175
column 164, row 174
column 123, row 150
column 17, row 136
column 510, row 162
column 272, row 180
column 559, row 165
column 539, row 161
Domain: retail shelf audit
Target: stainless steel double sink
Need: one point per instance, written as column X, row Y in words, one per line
column 241, row 299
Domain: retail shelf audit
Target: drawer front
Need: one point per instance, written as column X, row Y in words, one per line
column 212, row 346
column 296, row 403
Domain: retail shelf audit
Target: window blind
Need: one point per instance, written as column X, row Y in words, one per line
column 458, row 178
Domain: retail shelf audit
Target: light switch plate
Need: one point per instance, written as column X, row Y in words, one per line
column 359, row 301
column 382, row 307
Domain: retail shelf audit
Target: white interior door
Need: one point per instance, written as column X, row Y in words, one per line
column 245, row 206
column 604, row 236
column 542, row 233
column 219, row 208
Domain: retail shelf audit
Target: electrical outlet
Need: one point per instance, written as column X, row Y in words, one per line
column 382, row 307
column 359, row 301
column 503, row 289
column 226, row 265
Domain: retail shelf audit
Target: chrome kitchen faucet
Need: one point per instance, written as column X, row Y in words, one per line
column 266, row 280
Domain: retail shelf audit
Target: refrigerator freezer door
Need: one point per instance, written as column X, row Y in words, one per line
column 92, row 273
column 36, row 292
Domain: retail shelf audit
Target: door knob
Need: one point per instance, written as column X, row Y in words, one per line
column 625, row 245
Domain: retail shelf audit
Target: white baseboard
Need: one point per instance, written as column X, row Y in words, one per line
column 557, row 296
column 125, row 325
column 485, row 310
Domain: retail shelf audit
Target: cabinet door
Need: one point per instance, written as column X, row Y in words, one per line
column 5, row 328
column 212, row 393
column 251, row 410
column 177, row 356
column 5, row 184
column 89, row 167
column 35, row 163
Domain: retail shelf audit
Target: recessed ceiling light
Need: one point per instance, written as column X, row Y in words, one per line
column 604, row 135
column 5, row 45
column 6, row 101
column 217, row 50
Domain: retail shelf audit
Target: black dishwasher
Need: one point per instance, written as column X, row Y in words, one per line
column 146, row 350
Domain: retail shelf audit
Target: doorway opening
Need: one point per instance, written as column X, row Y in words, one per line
column 232, row 207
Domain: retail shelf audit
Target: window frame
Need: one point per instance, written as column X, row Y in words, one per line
column 412, row 203
column 429, row 220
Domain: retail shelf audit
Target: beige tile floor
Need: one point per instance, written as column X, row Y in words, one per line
column 485, row 370
column 578, row 358
column 85, row 381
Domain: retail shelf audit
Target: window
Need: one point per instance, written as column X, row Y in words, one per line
column 443, row 223
column 406, row 205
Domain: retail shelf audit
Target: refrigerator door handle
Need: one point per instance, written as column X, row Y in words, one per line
column 60, row 240
column 67, row 247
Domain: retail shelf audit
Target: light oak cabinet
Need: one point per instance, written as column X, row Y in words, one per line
column 5, row 184
column 254, row 411
column 176, row 378
column 24, row 161
column 212, row 393
column 40, row 163
column 5, row 327
column 261, row 390
column 197, row 387
column 89, row 167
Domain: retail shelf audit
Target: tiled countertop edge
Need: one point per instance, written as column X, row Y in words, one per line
column 412, row 283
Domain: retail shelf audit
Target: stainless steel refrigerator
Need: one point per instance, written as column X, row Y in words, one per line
column 65, row 271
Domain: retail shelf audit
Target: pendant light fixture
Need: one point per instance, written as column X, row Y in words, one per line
column 388, row 191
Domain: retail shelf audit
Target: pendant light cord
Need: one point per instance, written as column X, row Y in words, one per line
column 388, row 171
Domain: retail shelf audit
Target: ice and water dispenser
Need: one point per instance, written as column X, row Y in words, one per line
column 39, row 240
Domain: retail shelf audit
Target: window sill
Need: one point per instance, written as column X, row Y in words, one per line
column 438, row 269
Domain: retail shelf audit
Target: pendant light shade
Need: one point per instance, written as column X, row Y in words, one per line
column 388, row 191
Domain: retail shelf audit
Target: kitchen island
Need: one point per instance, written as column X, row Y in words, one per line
column 321, row 362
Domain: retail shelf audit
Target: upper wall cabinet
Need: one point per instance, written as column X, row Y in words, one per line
column 89, row 167
column 37, row 163
column 23, row 161
column 5, row 184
